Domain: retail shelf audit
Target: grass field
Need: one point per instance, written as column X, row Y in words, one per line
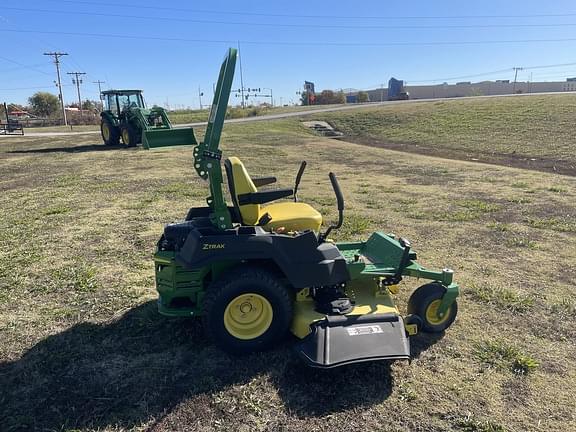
column 535, row 132
column 83, row 348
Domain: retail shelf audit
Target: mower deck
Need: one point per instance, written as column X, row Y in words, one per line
column 373, row 330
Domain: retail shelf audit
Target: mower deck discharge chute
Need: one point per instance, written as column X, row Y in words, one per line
column 259, row 269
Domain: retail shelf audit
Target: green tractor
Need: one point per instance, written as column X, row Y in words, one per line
column 257, row 270
column 127, row 117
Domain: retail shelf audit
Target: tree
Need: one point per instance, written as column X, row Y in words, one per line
column 362, row 97
column 89, row 105
column 329, row 97
column 326, row 97
column 44, row 104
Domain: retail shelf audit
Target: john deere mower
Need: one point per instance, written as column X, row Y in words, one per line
column 126, row 116
column 259, row 269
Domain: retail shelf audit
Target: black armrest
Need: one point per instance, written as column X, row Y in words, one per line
column 264, row 196
column 263, row 181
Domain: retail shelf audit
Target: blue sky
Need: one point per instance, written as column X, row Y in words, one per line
column 171, row 48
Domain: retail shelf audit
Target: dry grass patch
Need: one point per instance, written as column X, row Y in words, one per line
column 83, row 347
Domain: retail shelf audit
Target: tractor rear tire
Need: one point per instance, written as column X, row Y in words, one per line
column 248, row 309
column 424, row 303
column 130, row 136
column 110, row 133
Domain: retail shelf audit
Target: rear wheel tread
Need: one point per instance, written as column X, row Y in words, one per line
column 113, row 134
column 235, row 283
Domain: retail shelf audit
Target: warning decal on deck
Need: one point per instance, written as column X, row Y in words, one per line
column 364, row 330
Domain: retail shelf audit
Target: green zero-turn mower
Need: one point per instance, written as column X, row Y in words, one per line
column 258, row 269
column 126, row 116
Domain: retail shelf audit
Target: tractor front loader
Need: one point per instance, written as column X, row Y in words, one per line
column 127, row 117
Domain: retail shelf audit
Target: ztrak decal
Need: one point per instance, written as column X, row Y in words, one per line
column 210, row 246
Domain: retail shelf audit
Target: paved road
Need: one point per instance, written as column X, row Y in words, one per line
column 298, row 113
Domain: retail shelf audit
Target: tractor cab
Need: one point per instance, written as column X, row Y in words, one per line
column 118, row 101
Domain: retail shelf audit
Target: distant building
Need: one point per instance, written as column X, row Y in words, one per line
column 484, row 88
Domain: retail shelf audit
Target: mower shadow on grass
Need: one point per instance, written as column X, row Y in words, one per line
column 75, row 149
column 140, row 367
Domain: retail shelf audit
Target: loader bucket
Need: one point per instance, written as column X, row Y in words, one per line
column 154, row 138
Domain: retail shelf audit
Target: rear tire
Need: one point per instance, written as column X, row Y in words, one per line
column 247, row 310
column 130, row 136
column 110, row 133
column 424, row 303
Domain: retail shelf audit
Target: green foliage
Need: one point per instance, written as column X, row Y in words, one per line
column 56, row 210
column 470, row 424
column 555, row 224
column 90, row 105
column 503, row 356
column 76, row 277
column 362, row 97
column 44, row 104
column 503, row 298
column 328, row 97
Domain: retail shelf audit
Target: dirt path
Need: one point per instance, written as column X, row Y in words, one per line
column 520, row 161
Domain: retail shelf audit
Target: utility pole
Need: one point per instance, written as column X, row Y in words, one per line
column 57, row 56
column 100, row 93
column 200, row 94
column 78, row 81
column 516, row 69
column 241, row 76
column 271, row 95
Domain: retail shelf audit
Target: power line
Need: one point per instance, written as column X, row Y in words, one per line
column 436, row 80
column 57, row 56
column 347, row 17
column 299, row 25
column 23, row 66
column 293, row 43
column 26, row 88
column 462, row 76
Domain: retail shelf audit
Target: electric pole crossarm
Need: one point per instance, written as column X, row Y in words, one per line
column 57, row 56
column 78, row 81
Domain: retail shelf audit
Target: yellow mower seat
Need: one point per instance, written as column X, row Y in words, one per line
column 292, row 216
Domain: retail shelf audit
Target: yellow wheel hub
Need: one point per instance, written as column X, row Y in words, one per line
column 126, row 136
column 432, row 313
column 248, row 316
column 106, row 131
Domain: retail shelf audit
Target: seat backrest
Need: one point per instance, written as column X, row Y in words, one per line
column 239, row 182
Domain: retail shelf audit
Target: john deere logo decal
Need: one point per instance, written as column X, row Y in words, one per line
column 209, row 246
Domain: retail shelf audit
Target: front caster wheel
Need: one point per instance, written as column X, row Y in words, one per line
column 425, row 301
